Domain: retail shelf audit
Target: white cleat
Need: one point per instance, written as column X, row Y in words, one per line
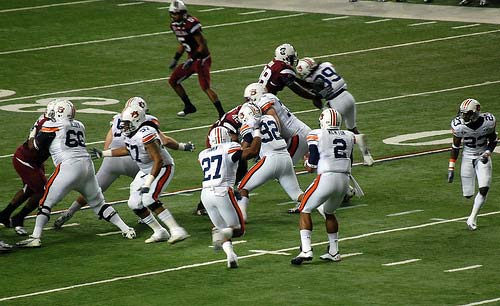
column 471, row 225
column 63, row 218
column 5, row 247
column 178, row 234
column 368, row 160
column 232, row 261
column 129, row 234
column 158, row 237
column 20, row 231
column 303, row 256
column 30, row 243
column 329, row 257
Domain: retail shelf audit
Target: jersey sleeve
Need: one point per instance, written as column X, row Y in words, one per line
column 235, row 151
column 313, row 137
column 149, row 135
column 287, row 76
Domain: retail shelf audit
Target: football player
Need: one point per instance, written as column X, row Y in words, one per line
column 330, row 156
column 112, row 168
column 324, row 79
column 5, row 247
column 478, row 132
column 29, row 165
column 188, row 31
column 274, row 163
column 64, row 137
column 219, row 164
column 280, row 72
column 156, row 169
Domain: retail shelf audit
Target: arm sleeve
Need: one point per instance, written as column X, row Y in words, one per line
column 43, row 140
column 313, row 155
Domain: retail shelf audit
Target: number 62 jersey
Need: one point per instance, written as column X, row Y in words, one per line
column 475, row 139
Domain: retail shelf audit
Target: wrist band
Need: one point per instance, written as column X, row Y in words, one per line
column 148, row 180
column 107, row 153
column 182, row 146
column 177, row 56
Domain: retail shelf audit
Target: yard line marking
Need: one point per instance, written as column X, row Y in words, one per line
column 437, row 219
column 65, row 225
column 269, row 252
column 464, row 268
column 350, row 254
column 109, row 233
column 286, row 203
column 234, row 242
column 45, row 6
column 466, row 26
column 211, row 10
column 144, row 35
column 482, row 302
column 377, row 21
column 207, row 263
column 335, row 18
column 405, row 213
column 252, row 12
column 421, row 23
column 129, row 3
column 401, row 262
column 353, row 206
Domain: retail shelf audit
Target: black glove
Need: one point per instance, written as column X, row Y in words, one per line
column 189, row 146
column 173, row 63
column 143, row 189
column 95, row 153
column 451, row 174
column 188, row 64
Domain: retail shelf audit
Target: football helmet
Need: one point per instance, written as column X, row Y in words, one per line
column 218, row 135
column 305, row 66
column 286, row 53
column 330, row 119
column 470, row 110
column 248, row 111
column 131, row 119
column 137, row 101
column 253, row 92
column 177, row 7
column 60, row 110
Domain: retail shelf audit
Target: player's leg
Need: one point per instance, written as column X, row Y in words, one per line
column 203, row 69
column 483, row 173
column 288, row 180
column 176, row 78
column 258, row 174
column 21, row 195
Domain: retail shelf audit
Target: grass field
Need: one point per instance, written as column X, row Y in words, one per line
column 406, row 78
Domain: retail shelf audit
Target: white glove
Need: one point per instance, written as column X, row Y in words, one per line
column 485, row 156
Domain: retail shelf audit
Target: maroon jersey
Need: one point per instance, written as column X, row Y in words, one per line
column 229, row 121
column 185, row 31
column 33, row 157
column 276, row 75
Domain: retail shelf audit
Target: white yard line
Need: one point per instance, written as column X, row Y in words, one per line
column 270, row 252
column 50, row 228
column 252, row 12
column 421, row 23
column 129, row 3
column 464, row 268
column 482, row 302
column 405, row 213
column 207, row 263
column 234, row 242
column 211, row 10
column 467, row 26
column 335, row 18
column 404, row 262
column 377, row 21
column 46, row 6
column 109, row 233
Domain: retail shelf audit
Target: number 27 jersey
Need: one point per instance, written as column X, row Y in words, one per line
column 219, row 169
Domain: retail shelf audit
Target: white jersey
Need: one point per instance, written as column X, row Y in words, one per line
column 290, row 125
column 219, row 169
column 137, row 149
column 329, row 83
column 474, row 140
column 335, row 149
column 118, row 140
column 272, row 142
column 69, row 141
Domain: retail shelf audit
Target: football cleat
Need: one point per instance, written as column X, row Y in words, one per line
column 187, row 110
column 178, row 234
column 5, row 247
column 471, row 224
column 63, row 218
column 303, row 256
column 20, row 231
column 129, row 234
column 30, row 243
column 5, row 221
column 368, row 160
column 329, row 257
column 158, row 237
column 232, row 261
column 294, row 210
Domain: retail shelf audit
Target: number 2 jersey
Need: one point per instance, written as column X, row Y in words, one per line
column 335, row 149
column 219, row 164
column 475, row 138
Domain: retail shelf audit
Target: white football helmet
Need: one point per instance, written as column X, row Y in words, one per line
column 248, row 111
column 139, row 102
column 60, row 110
column 178, row 6
column 305, row 66
column 253, row 92
column 218, row 135
column 330, row 119
column 286, row 53
column 131, row 119
column 470, row 110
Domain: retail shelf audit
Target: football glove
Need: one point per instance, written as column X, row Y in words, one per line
column 95, row 153
column 188, row 64
column 173, row 63
column 146, row 186
column 189, row 146
column 451, row 174
column 484, row 157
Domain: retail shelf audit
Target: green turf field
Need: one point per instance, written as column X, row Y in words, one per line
column 406, row 78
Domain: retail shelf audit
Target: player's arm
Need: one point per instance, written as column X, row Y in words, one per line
column 490, row 147
column 42, row 141
column 177, row 56
column 154, row 150
column 171, row 143
column 271, row 111
column 306, row 93
column 108, row 139
column 311, row 164
column 455, row 149
column 202, row 45
column 95, row 153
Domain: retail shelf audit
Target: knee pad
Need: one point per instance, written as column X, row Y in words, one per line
column 139, row 211
column 484, row 191
column 154, row 206
column 106, row 212
column 44, row 210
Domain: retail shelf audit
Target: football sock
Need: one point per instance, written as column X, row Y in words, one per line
column 151, row 221
column 361, row 142
column 219, row 108
column 18, row 219
column 333, row 239
column 7, row 211
column 227, row 246
column 40, row 222
column 167, row 218
column 478, row 203
column 187, row 101
column 117, row 220
column 305, row 240
column 75, row 206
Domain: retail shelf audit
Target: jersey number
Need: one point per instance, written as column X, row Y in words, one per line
column 327, row 75
column 472, row 142
column 136, row 151
column 339, row 149
column 74, row 139
column 207, row 164
column 270, row 131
